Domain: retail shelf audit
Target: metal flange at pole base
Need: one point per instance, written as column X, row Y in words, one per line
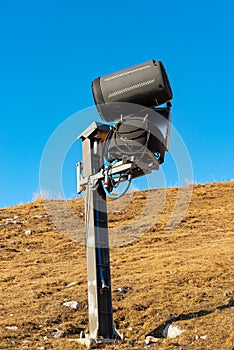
column 91, row 343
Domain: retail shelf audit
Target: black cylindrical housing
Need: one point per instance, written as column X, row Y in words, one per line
column 145, row 84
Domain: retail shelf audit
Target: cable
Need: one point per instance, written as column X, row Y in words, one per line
column 110, row 195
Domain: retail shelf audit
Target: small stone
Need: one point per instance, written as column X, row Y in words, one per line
column 72, row 305
column 13, row 242
column 204, row 337
column 57, row 334
column 28, row 232
column 12, row 328
column 72, row 284
column 9, row 220
column 27, row 250
column 149, row 339
column 122, row 290
column 171, row 331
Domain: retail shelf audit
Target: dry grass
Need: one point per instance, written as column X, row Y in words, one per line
column 184, row 276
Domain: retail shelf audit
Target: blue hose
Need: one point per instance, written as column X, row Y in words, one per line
column 110, row 195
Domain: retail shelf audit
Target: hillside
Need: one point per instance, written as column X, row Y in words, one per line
column 183, row 276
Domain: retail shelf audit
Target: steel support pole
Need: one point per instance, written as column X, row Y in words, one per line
column 97, row 247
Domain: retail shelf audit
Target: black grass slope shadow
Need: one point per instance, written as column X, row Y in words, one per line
column 158, row 332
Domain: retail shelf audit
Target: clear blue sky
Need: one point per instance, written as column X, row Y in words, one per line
column 51, row 51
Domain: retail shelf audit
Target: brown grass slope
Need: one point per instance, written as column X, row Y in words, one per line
column 184, row 276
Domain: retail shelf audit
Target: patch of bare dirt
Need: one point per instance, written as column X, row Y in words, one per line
column 184, row 276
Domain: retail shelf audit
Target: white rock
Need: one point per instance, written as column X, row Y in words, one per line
column 11, row 221
column 72, row 305
column 57, row 334
column 28, row 232
column 149, row 339
column 27, row 250
column 204, row 337
column 12, row 328
column 171, row 331
column 72, row 284
column 40, row 216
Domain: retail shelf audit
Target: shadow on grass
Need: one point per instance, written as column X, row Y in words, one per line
column 158, row 332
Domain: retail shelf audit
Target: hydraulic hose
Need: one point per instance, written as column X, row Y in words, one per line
column 113, row 196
